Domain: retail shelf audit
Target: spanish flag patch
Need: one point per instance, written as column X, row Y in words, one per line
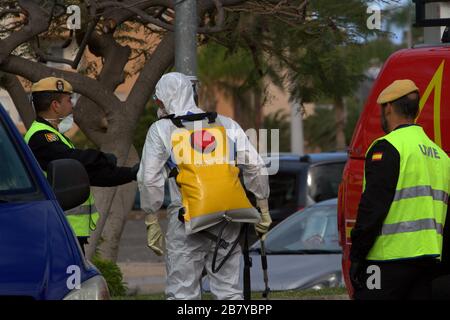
column 51, row 137
column 377, row 156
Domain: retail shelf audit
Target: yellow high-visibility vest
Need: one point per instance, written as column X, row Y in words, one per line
column 414, row 224
column 83, row 219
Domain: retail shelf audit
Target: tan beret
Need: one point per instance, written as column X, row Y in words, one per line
column 52, row 84
column 395, row 90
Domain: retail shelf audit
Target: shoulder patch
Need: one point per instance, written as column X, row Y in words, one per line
column 377, row 156
column 51, row 137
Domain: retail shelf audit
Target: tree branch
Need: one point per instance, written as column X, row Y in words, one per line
column 160, row 60
column 10, row 11
column 119, row 16
column 137, row 11
column 112, row 74
column 19, row 96
column 88, row 87
column 144, row 16
column 38, row 22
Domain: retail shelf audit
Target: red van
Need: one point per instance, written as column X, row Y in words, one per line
column 429, row 68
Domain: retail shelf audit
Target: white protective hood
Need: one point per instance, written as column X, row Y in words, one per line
column 175, row 90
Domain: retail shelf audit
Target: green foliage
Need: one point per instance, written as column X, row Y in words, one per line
column 320, row 128
column 231, row 69
column 233, row 72
column 322, row 57
column 112, row 274
column 376, row 51
column 279, row 120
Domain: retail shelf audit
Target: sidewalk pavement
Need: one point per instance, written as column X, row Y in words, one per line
column 143, row 271
column 144, row 277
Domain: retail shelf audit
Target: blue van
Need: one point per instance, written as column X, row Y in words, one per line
column 40, row 258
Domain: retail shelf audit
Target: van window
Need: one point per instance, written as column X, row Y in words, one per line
column 324, row 180
column 14, row 178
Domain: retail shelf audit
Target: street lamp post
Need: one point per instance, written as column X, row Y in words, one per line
column 186, row 37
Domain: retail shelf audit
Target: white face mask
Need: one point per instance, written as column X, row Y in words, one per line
column 66, row 124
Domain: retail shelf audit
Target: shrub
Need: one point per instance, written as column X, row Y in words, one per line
column 112, row 274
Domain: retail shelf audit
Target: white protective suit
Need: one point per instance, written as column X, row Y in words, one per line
column 187, row 255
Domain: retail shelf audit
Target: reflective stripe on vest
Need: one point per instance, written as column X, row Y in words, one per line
column 411, row 226
column 83, row 219
column 421, row 191
column 414, row 224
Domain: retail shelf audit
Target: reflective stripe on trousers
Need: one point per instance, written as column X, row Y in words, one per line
column 421, row 191
column 412, row 226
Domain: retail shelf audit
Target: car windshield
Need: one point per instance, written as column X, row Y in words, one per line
column 324, row 179
column 14, row 178
column 313, row 230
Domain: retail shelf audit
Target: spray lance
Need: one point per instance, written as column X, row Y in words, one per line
column 266, row 291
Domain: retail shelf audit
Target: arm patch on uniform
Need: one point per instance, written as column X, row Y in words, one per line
column 51, row 137
column 377, row 156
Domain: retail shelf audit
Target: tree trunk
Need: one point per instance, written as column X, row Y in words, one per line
column 121, row 206
column 118, row 141
column 19, row 96
column 257, row 104
column 339, row 112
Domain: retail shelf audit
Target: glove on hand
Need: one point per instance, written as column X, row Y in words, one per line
column 263, row 226
column 154, row 234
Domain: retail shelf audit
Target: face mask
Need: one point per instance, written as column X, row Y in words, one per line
column 66, row 124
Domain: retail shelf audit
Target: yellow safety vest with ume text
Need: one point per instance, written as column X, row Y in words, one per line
column 414, row 224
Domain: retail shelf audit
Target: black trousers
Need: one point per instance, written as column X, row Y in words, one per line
column 399, row 280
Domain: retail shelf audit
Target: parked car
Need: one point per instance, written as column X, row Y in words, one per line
column 40, row 255
column 302, row 251
column 303, row 180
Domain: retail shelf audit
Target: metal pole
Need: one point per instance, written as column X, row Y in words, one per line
column 186, row 37
column 297, row 141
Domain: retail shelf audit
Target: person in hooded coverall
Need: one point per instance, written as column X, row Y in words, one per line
column 188, row 254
